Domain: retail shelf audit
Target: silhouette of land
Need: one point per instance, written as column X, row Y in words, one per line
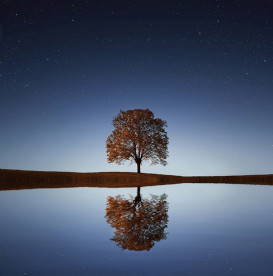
column 20, row 179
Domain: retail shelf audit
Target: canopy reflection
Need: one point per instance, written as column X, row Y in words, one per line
column 138, row 222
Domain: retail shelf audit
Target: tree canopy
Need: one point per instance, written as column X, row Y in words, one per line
column 137, row 136
column 138, row 223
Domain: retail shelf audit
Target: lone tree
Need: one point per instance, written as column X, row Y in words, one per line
column 137, row 136
column 138, row 223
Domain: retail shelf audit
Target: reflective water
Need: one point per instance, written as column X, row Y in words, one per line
column 184, row 229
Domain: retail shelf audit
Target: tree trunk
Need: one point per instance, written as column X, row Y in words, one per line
column 138, row 192
column 138, row 166
column 138, row 197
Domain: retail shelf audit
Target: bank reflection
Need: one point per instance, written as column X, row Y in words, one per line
column 138, row 222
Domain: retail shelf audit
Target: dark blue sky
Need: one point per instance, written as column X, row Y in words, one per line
column 68, row 67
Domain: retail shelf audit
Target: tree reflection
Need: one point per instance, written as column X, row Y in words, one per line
column 139, row 223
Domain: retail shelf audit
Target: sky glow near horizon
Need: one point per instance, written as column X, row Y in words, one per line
column 206, row 69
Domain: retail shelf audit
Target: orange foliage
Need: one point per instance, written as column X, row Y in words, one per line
column 138, row 224
column 138, row 136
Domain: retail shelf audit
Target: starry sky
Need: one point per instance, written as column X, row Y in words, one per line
column 68, row 67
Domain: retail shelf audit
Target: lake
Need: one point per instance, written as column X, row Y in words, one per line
column 182, row 229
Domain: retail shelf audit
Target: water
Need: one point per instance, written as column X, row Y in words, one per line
column 203, row 229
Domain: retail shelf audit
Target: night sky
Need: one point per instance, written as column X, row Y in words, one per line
column 68, row 67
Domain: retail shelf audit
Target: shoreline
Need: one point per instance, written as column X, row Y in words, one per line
column 23, row 179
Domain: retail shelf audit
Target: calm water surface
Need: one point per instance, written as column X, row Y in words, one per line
column 184, row 229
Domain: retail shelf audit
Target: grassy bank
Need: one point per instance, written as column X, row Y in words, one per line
column 19, row 179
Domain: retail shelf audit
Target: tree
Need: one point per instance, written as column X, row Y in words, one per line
column 137, row 136
column 139, row 223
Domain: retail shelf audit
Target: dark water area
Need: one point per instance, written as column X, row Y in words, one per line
column 183, row 229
